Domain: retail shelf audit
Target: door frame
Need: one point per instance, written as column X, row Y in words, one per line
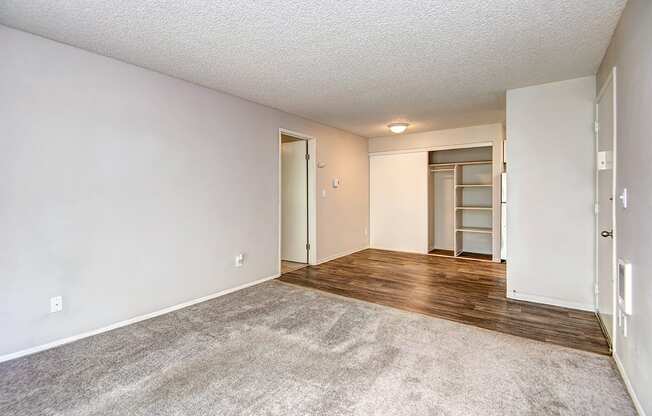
column 610, row 82
column 312, row 194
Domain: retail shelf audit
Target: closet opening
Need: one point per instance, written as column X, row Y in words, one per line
column 461, row 190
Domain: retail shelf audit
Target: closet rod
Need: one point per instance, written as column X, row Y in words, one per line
column 475, row 162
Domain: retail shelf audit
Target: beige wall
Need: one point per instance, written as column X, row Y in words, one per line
column 127, row 191
column 631, row 52
column 489, row 134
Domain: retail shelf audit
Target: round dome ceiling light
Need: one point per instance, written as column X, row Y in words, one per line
column 398, row 128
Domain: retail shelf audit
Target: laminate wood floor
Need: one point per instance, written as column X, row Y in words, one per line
column 288, row 266
column 464, row 254
column 466, row 291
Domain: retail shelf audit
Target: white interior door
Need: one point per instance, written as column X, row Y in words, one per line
column 294, row 201
column 605, row 218
column 444, row 227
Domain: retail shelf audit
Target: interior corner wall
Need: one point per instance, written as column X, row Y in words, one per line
column 127, row 191
column 550, row 193
column 631, row 54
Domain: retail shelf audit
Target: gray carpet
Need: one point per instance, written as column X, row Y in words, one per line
column 276, row 349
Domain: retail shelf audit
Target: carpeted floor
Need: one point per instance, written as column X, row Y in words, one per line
column 276, row 349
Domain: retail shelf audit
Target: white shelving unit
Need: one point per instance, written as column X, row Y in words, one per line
column 473, row 207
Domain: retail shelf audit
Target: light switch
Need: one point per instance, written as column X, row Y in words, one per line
column 623, row 198
column 239, row 260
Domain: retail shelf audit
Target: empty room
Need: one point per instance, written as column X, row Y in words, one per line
column 325, row 208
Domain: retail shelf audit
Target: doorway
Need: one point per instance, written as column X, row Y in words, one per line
column 296, row 206
column 605, row 205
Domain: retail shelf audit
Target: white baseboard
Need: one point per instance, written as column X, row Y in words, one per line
column 550, row 301
column 337, row 256
column 130, row 321
column 628, row 385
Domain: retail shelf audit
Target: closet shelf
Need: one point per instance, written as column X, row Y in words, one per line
column 474, row 185
column 481, row 230
column 479, row 162
column 442, row 165
column 475, row 207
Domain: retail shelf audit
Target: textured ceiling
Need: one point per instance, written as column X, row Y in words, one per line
column 357, row 65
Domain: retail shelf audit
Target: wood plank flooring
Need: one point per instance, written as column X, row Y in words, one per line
column 288, row 266
column 466, row 291
column 478, row 256
column 464, row 254
column 441, row 252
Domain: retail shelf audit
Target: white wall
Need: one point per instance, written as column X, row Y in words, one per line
column 490, row 134
column 127, row 191
column 550, row 183
column 398, row 187
column 631, row 53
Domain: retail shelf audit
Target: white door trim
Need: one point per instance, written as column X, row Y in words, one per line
column 609, row 82
column 312, row 194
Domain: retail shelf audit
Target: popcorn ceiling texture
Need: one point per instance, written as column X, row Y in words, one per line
column 353, row 65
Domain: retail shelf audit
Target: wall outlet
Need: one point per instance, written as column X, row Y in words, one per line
column 56, row 304
column 239, row 260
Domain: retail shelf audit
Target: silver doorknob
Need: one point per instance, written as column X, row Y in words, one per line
column 607, row 233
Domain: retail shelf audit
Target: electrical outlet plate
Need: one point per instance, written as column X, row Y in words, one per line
column 56, row 304
column 239, row 260
column 605, row 160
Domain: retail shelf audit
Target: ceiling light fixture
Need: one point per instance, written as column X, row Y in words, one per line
column 398, row 128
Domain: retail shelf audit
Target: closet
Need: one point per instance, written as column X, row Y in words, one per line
column 460, row 202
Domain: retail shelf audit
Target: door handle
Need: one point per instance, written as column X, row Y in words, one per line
column 607, row 233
